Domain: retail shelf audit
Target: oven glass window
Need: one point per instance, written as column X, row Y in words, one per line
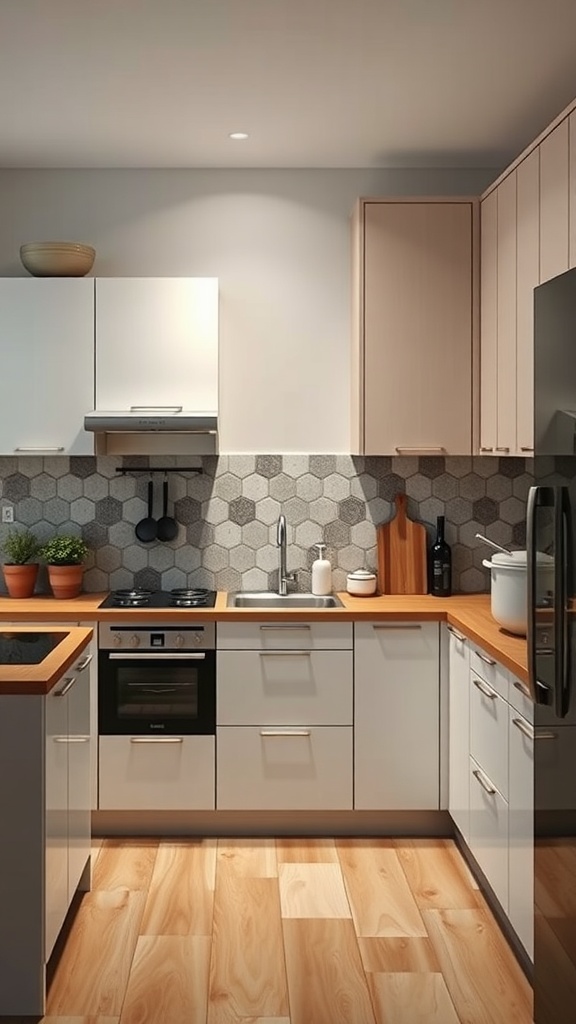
column 149, row 691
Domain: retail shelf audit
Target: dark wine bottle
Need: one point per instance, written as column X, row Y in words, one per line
column 440, row 563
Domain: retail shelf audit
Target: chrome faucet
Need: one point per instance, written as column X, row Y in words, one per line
column 283, row 576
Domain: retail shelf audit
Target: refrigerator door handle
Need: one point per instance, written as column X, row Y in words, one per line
column 539, row 692
column 561, row 626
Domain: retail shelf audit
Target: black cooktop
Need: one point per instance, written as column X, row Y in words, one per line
column 180, row 597
column 27, row 648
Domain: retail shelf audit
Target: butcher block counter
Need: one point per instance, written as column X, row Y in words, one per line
column 468, row 613
column 38, row 679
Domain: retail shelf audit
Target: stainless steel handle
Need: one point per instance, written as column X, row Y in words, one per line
column 66, row 686
column 285, row 732
column 523, row 689
column 435, row 450
column 84, row 663
column 502, row 448
column 71, row 739
column 156, row 656
column 524, row 728
column 485, row 658
column 400, row 625
column 40, row 448
column 287, row 625
column 455, row 633
column 486, row 448
column 485, row 783
column 561, row 541
column 486, row 690
column 156, row 739
column 156, row 408
column 531, row 588
column 545, row 735
column 285, row 654
column 526, row 448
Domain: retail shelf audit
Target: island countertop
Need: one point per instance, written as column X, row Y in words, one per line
column 18, row 679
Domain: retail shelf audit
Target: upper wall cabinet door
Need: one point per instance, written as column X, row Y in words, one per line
column 506, row 305
column 572, row 187
column 414, row 295
column 527, row 278
column 554, row 222
column 157, row 343
column 489, row 324
column 47, row 352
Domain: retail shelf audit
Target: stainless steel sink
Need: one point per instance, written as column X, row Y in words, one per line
column 269, row 599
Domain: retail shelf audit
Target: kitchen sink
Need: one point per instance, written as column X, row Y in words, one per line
column 269, row 599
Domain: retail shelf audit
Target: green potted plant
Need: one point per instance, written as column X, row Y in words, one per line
column 21, row 567
column 64, row 555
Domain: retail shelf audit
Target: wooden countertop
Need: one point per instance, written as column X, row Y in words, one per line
column 469, row 614
column 40, row 678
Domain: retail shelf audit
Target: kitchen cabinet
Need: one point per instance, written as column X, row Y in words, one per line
column 284, row 712
column 527, row 278
column 414, row 298
column 156, row 773
column 157, row 343
column 554, row 202
column 459, row 731
column 396, row 715
column 521, row 825
column 46, row 342
column 489, row 831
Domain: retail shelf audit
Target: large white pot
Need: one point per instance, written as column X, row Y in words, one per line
column 509, row 590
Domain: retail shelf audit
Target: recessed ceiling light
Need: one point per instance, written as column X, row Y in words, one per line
column 238, row 135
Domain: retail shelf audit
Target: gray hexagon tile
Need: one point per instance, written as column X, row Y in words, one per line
column 323, row 511
column 215, row 558
column 242, row 465
column 108, row 511
column 485, row 510
column 473, row 581
column 378, row 466
column 228, row 534
column 189, row 559
column 322, row 465
column 363, row 535
column 308, row 534
column 419, row 487
column 161, row 557
column 242, row 511
column 134, row 557
column 16, row 487
column 267, row 558
column 511, row 467
column 56, row 511
column 269, row 510
column 519, row 535
column 43, row 487
column 201, row 535
column 121, row 535
column 95, row 487
column 282, row 487
column 213, row 511
column 29, row 512
column 69, row 487
column 512, row 511
column 147, row 579
column 188, row 510
column 173, row 578
column 96, row 580
column 390, row 486
column 255, row 487
column 108, row 558
column 363, row 486
column 336, row 487
column 94, row 535
column 254, row 579
column 228, row 579
column 269, row 465
column 228, row 487
column 295, row 465
column 444, row 487
column 254, row 535
column 308, row 487
column 83, row 465
column 458, row 510
column 242, row 557
column 57, row 465
column 337, row 534
column 472, row 487
column 432, row 465
column 351, row 511
column 499, row 487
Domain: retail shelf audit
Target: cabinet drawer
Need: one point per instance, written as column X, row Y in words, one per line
column 520, row 699
column 284, row 687
column 489, row 831
column 488, row 668
column 489, row 732
column 256, row 636
column 521, row 830
column 156, row 775
column 284, row 769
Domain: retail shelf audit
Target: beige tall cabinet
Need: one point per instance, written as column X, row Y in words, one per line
column 415, row 295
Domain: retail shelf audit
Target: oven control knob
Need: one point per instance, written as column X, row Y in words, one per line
column 197, row 639
column 117, row 640
column 134, row 640
column 179, row 640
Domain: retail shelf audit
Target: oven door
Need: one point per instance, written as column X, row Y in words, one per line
column 164, row 693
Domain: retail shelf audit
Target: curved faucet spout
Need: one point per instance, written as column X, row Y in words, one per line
column 283, row 576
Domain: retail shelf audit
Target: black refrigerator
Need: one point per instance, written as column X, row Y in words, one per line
column 551, row 529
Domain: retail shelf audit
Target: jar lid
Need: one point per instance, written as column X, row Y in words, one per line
column 519, row 560
column 361, row 574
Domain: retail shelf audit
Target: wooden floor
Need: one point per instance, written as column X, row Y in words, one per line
column 286, row 931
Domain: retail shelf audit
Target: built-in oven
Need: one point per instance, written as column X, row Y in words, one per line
column 157, row 680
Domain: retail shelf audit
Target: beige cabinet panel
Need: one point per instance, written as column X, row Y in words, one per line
column 489, row 831
column 521, row 830
column 152, row 774
column 274, row 636
column 459, row 731
column 554, row 202
column 506, row 305
column 527, row 278
column 572, row 188
column 489, row 732
column 415, row 326
column 489, row 324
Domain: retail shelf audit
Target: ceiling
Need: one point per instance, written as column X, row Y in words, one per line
column 315, row 83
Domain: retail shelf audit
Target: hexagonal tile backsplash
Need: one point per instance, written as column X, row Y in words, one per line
column 227, row 515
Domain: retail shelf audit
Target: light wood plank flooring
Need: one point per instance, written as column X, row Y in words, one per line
column 264, row 931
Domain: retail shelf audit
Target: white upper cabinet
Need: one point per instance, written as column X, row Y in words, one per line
column 413, row 296
column 554, row 202
column 489, row 324
column 47, row 352
column 157, row 343
column 527, row 278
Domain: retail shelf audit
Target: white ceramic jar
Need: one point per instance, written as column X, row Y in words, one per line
column 509, row 588
column 361, row 583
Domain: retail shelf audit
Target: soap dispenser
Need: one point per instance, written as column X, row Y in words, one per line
column 321, row 573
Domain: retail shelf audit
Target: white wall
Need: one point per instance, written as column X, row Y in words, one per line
column 279, row 243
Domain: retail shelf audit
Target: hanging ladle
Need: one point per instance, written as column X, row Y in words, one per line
column 493, row 544
column 146, row 529
column 167, row 527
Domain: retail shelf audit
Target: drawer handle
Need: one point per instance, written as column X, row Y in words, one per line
column 285, row 654
column 285, row 732
column 71, row 739
column 485, row 689
column 502, row 448
column 485, row 658
column 524, row 728
column 526, row 448
column 545, row 735
column 84, row 663
column 455, row 633
column 156, row 739
column 66, row 686
column 486, row 785
column 286, row 625
column 486, row 448
column 523, row 689
column 401, row 625
column 40, row 448
column 436, row 450
column 156, row 408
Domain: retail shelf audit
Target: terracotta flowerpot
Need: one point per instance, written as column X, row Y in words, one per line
column 21, row 579
column 65, row 580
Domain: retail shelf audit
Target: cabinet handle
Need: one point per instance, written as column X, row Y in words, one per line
column 152, row 656
column 287, row 625
column 485, row 658
column 523, row 689
column 502, row 448
column 84, row 663
column 400, row 625
column 71, row 739
column 156, row 408
column 526, row 448
column 156, row 739
column 524, row 727
column 485, row 689
column 486, row 785
column 285, row 732
column 455, row 633
column 40, row 448
column 285, row 654
column 436, row 450
column 545, row 735
column 66, row 686
column 486, row 448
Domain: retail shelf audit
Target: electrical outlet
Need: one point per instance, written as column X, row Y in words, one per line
column 8, row 514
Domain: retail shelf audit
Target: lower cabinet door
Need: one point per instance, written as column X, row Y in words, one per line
column 79, row 794
column 489, row 831
column 284, row 768
column 521, row 829
column 56, row 781
column 172, row 773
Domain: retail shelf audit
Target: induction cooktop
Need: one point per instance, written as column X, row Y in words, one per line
column 27, row 648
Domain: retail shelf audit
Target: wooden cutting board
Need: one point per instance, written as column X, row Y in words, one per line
column 402, row 560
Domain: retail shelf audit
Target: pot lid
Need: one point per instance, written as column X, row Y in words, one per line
column 361, row 574
column 519, row 560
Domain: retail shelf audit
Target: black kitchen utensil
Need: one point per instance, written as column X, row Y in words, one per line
column 167, row 526
column 146, row 529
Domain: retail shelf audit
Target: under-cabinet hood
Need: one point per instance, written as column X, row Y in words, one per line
column 153, row 431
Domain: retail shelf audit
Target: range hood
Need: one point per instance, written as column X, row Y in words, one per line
column 141, row 431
